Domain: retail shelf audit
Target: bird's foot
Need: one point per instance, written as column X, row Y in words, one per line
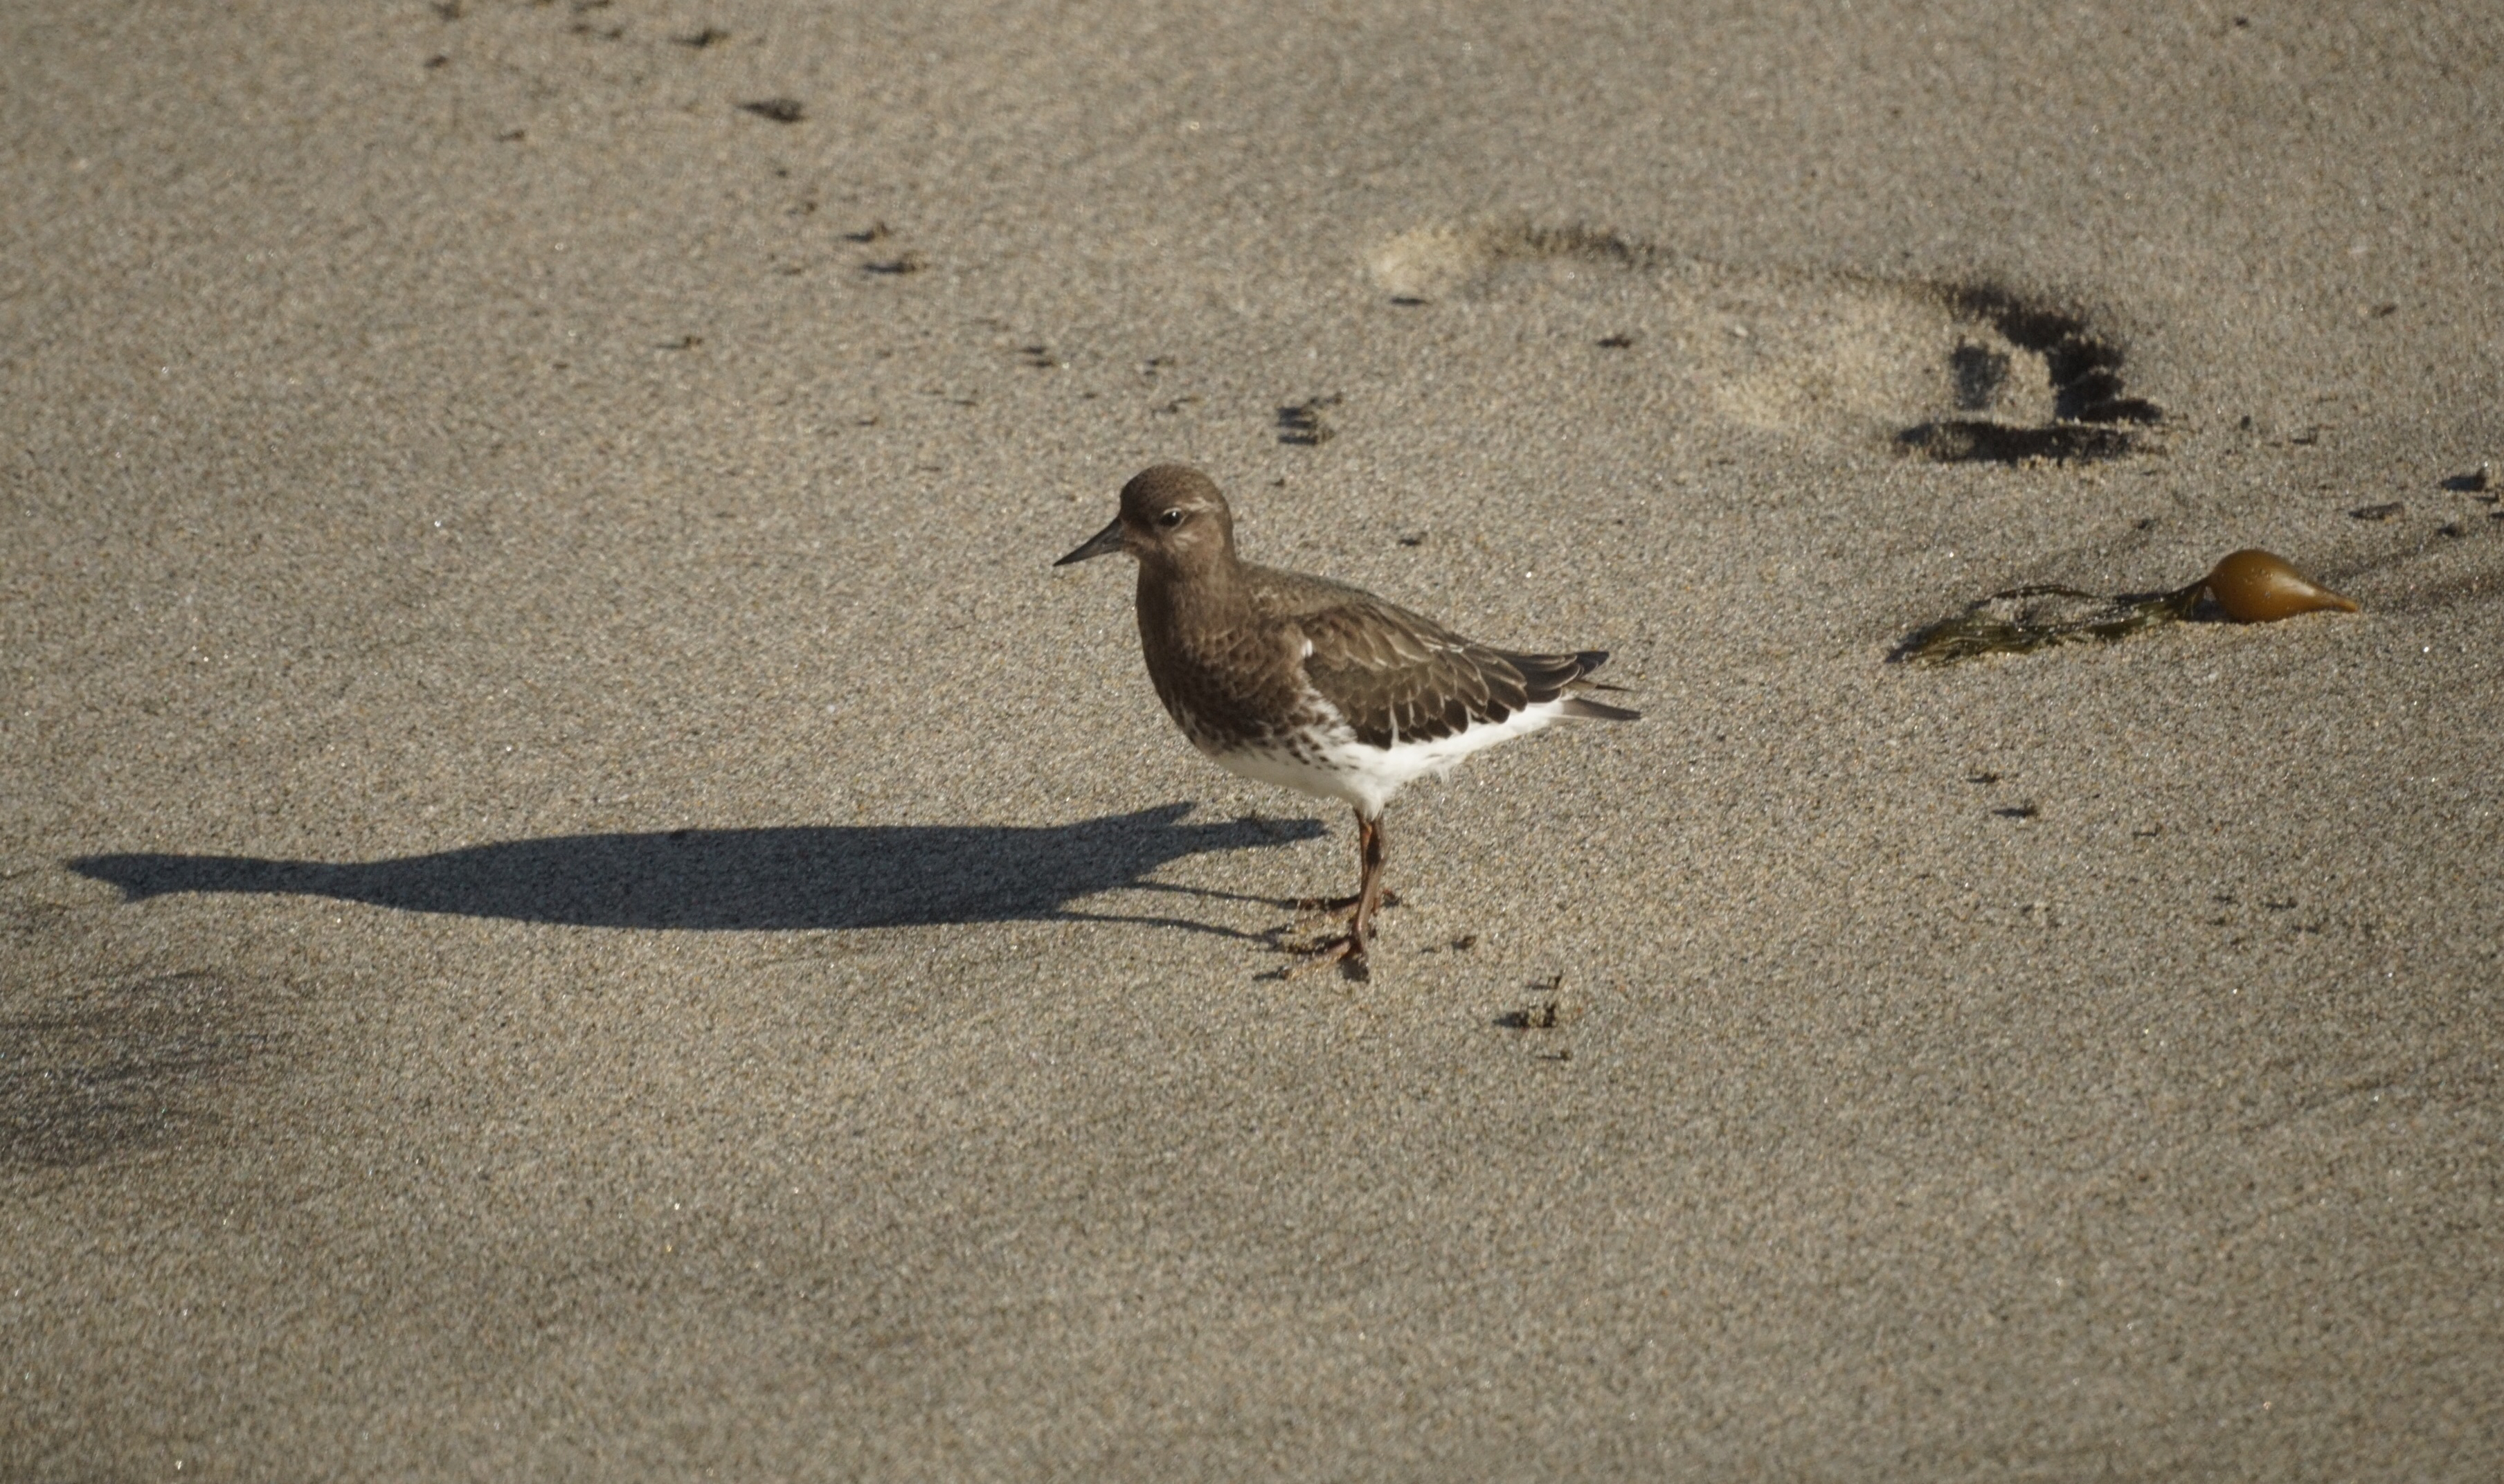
column 1345, row 949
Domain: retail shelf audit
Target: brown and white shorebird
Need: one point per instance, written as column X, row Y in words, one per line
column 1314, row 684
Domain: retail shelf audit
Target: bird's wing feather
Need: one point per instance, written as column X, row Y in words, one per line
column 1399, row 676
column 1395, row 677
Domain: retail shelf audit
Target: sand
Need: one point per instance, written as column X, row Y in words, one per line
column 581, row 902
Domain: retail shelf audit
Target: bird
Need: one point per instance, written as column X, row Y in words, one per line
column 1315, row 685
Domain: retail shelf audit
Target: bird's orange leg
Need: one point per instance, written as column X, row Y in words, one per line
column 1369, row 885
column 1339, row 906
column 1351, row 947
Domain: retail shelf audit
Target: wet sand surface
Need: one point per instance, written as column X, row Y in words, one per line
column 579, row 901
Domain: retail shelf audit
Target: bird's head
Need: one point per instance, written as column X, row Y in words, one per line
column 1172, row 516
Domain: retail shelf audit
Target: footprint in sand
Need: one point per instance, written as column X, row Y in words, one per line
column 1949, row 371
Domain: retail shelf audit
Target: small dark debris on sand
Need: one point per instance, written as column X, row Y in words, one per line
column 779, row 110
column 1550, row 1008
column 1301, row 425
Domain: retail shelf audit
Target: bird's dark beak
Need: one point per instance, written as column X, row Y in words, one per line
column 1104, row 542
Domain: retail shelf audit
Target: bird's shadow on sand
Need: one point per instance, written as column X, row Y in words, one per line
column 796, row 878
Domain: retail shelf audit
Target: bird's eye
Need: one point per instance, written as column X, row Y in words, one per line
column 1170, row 518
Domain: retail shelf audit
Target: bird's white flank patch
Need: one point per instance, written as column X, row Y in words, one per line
column 1339, row 766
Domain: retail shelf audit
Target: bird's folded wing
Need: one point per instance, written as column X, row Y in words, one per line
column 1397, row 677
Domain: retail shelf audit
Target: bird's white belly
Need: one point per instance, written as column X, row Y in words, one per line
column 1339, row 766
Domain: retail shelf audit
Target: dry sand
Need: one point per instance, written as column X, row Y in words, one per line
column 581, row 902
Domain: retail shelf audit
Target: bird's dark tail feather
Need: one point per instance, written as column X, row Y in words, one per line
column 1552, row 676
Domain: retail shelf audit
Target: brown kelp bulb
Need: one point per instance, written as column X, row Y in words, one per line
column 2258, row 587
